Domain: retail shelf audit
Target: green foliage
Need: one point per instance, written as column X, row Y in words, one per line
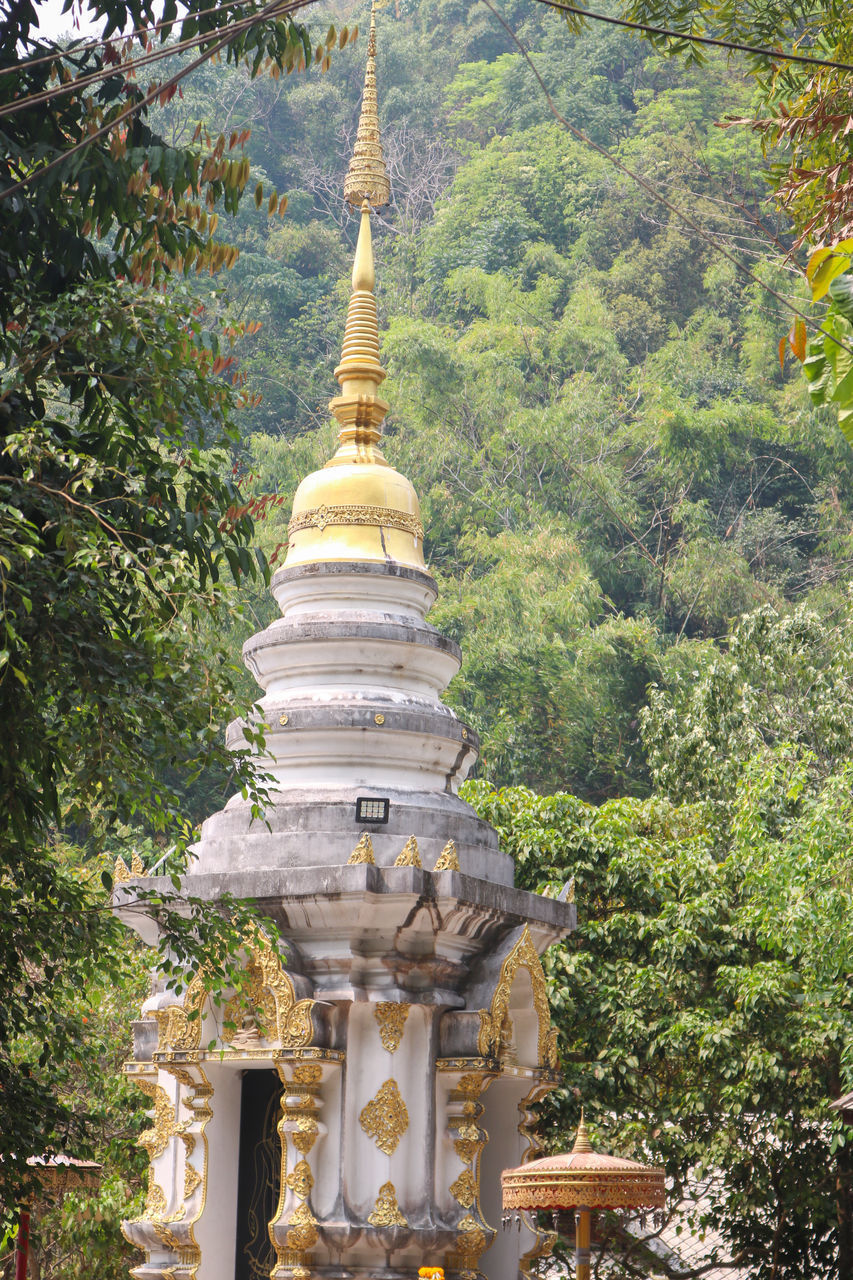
column 800, row 114
column 121, row 523
column 703, row 1003
column 785, row 678
column 612, row 467
column 551, row 684
column 828, row 362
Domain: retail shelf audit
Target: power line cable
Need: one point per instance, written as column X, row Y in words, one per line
column 119, row 69
column 656, row 195
column 761, row 51
column 275, row 8
column 105, row 73
column 86, row 47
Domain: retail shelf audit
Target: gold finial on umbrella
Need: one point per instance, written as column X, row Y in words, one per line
column 367, row 177
column 583, row 1180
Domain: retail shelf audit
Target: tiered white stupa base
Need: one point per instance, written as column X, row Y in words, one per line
column 395, row 1045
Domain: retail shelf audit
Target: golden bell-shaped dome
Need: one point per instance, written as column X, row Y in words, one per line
column 358, row 507
column 361, row 510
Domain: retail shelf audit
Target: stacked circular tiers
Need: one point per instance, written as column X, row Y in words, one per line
column 583, row 1180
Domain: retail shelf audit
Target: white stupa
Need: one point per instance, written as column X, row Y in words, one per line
column 351, row 1114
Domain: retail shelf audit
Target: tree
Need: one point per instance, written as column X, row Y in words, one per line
column 704, row 1003
column 120, row 520
column 802, row 114
column 704, row 1008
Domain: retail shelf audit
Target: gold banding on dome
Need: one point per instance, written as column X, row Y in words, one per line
column 320, row 517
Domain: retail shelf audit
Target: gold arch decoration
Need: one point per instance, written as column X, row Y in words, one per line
column 493, row 1021
column 277, row 1015
column 272, row 995
column 179, row 1025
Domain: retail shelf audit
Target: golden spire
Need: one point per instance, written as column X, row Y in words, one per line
column 582, row 1142
column 358, row 408
column 367, row 178
column 358, row 508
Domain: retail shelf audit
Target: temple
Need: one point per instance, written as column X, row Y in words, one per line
column 349, row 1111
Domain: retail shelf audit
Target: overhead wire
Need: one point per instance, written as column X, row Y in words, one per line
column 276, row 8
column 76, row 83
column 88, row 46
column 656, row 195
column 761, row 51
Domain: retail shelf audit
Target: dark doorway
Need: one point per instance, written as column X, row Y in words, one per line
column 258, row 1175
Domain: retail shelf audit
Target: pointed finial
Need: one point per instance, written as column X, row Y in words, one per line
column 410, row 856
column 358, row 408
column 367, row 177
column 448, row 859
column 363, row 852
column 582, row 1142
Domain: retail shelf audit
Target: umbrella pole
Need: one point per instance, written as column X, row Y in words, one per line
column 22, row 1244
column 583, row 1240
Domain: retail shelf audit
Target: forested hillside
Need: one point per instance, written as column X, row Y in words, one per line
column 641, row 530
column 589, row 401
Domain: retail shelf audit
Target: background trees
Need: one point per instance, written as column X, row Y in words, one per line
column 704, row 1002
column 120, row 518
column 613, row 469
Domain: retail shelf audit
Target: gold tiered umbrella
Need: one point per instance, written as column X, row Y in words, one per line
column 583, row 1180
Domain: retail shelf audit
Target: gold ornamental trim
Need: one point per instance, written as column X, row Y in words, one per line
column 391, row 1016
column 448, row 859
column 362, row 854
column 356, row 514
column 179, row 1025
column 410, row 855
column 385, row 1118
column 300, row 1180
column 387, row 1211
column 594, row 1188
column 302, row 1232
column 159, row 1228
column 465, row 1189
